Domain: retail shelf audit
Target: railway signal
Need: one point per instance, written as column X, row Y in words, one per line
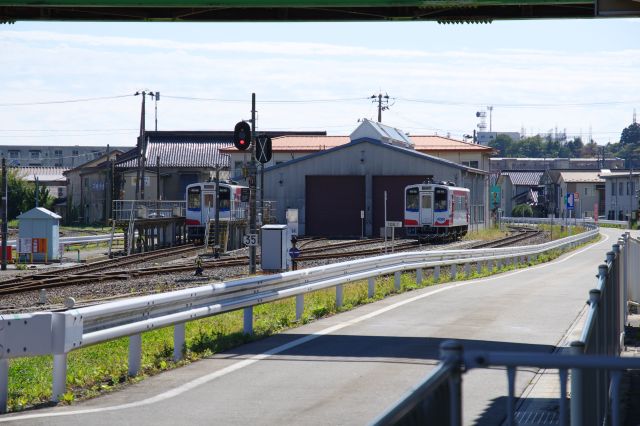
column 242, row 135
column 263, row 149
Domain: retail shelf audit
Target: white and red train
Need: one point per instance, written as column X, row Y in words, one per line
column 201, row 205
column 436, row 211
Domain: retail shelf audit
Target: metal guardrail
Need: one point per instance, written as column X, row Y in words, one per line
column 59, row 333
column 594, row 363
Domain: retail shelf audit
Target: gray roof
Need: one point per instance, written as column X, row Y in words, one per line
column 39, row 213
column 524, row 178
column 184, row 154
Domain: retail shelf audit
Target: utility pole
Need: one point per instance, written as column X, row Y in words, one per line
column 490, row 108
column 158, row 178
column 142, row 149
column 5, row 195
column 156, row 98
column 216, row 242
column 380, row 99
column 36, row 192
column 252, row 186
column 107, row 186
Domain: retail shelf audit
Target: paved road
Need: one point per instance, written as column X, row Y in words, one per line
column 348, row 368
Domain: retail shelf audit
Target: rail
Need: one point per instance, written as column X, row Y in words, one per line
column 593, row 361
column 61, row 332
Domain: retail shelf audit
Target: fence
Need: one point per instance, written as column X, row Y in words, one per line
column 59, row 333
column 593, row 363
column 147, row 209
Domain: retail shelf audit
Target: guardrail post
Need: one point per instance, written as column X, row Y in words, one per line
column 436, row 274
column 135, row 354
column 396, row 279
column 454, row 272
column 451, row 352
column 419, row 276
column 479, row 267
column 4, row 385
column 248, row 320
column 498, row 264
column 372, row 289
column 59, row 376
column 467, row 269
column 178, row 341
column 299, row 306
column 339, row 295
column 577, row 402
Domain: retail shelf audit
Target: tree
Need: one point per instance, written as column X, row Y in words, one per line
column 504, row 144
column 22, row 195
column 630, row 135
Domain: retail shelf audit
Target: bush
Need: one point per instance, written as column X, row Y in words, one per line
column 522, row 210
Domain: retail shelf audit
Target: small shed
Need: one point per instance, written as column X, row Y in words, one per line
column 39, row 235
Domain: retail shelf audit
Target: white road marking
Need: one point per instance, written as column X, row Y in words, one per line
column 247, row 362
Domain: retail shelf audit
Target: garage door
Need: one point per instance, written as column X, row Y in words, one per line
column 333, row 205
column 394, row 185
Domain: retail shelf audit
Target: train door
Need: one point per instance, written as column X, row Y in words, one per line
column 426, row 208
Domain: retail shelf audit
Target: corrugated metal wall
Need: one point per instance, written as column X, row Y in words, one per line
column 333, row 205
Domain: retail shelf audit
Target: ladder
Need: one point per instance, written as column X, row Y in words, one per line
column 131, row 229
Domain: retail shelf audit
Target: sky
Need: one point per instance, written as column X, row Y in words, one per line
column 72, row 83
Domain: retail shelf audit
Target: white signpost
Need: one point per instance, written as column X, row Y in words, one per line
column 393, row 225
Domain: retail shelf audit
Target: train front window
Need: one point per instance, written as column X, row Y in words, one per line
column 440, row 200
column 208, row 200
column 412, row 199
column 225, row 198
column 193, row 199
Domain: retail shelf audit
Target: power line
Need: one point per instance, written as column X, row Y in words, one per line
column 532, row 105
column 272, row 101
column 67, row 101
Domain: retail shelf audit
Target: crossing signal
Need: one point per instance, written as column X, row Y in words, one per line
column 242, row 135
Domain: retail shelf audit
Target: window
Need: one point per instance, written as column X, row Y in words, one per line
column 237, row 167
column 60, row 192
column 613, row 188
column 225, row 198
column 440, row 201
column 57, row 153
column 193, row 198
column 473, row 164
column 426, row 201
column 411, row 199
column 34, row 154
column 14, row 153
column 586, row 191
column 620, row 188
column 75, row 152
column 208, row 200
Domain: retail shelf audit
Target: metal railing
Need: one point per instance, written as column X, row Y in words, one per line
column 125, row 210
column 593, row 362
column 59, row 333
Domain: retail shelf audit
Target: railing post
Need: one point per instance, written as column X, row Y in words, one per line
column 419, row 276
column 178, row 341
column 577, row 388
column 454, row 272
column 135, row 354
column 396, row 279
column 299, row 306
column 372, row 289
column 339, row 295
column 451, row 352
column 436, row 274
column 248, row 320
column 59, row 376
column 4, row 384
column 467, row 270
column 479, row 267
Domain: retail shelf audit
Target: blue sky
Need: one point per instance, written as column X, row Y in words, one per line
column 578, row 75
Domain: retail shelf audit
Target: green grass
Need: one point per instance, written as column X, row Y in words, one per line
column 485, row 234
column 102, row 368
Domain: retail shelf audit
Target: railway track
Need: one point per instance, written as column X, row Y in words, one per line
column 111, row 269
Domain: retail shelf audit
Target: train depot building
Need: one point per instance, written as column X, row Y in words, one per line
column 340, row 192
